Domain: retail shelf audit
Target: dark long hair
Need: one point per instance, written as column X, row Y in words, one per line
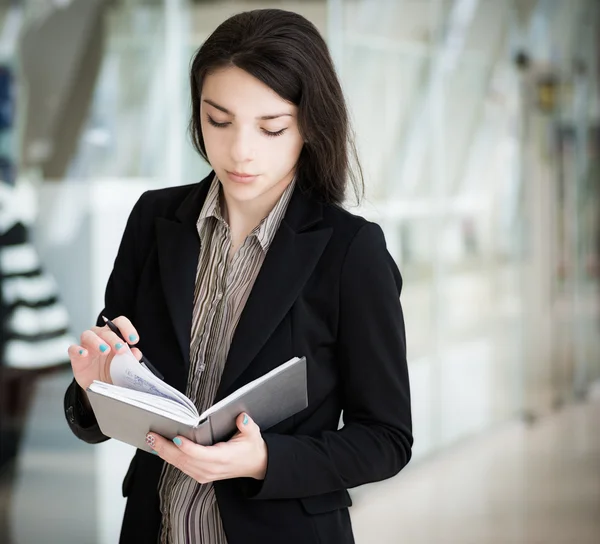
column 286, row 52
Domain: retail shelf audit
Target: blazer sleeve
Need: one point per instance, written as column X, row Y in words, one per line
column 119, row 299
column 376, row 439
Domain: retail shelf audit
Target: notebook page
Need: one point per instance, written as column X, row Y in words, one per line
column 126, row 371
column 151, row 403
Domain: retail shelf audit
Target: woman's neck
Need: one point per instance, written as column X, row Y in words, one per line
column 244, row 216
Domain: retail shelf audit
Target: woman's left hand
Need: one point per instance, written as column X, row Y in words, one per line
column 244, row 455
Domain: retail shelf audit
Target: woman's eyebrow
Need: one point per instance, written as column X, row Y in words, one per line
column 261, row 117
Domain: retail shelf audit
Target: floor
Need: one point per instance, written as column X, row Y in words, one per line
column 512, row 485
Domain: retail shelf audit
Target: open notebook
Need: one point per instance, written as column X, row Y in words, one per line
column 138, row 401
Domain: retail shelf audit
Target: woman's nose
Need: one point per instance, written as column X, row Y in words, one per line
column 242, row 146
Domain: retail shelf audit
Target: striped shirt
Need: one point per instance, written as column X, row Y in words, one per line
column 34, row 323
column 189, row 509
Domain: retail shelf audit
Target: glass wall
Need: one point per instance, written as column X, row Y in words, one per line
column 477, row 126
column 445, row 184
column 460, row 151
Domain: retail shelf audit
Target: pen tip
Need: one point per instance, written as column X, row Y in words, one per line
column 105, row 320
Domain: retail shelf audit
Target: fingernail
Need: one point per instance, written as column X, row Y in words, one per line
column 177, row 441
column 118, row 346
column 150, row 440
column 133, row 337
column 245, row 422
column 103, row 347
column 154, row 452
column 80, row 352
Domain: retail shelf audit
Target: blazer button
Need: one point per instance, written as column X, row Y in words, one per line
column 70, row 414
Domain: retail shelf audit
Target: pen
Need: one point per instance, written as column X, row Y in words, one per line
column 143, row 360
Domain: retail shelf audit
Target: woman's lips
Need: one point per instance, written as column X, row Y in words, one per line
column 241, row 178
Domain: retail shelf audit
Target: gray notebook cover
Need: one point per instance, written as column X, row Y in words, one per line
column 269, row 403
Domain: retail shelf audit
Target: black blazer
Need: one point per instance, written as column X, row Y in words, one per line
column 329, row 290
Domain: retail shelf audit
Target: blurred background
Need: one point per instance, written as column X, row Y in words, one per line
column 478, row 126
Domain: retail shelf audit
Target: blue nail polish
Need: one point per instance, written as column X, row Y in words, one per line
column 118, row 346
column 154, row 452
column 245, row 419
column 177, row 441
column 132, row 337
column 103, row 347
column 80, row 352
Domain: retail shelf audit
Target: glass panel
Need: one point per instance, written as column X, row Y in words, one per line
column 124, row 136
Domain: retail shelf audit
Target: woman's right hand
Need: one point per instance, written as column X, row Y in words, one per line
column 91, row 360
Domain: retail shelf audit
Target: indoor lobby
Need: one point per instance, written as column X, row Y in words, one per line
column 477, row 126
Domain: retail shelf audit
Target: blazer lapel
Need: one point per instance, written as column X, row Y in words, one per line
column 288, row 264
column 178, row 250
column 178, row 246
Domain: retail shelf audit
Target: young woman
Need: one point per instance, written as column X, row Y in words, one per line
column 221, row 281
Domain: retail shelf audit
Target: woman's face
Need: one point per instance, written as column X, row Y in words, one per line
column 251, row 135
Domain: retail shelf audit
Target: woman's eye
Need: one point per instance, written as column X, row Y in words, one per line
column 214, row 123
column 273, row 134
column 268, row 133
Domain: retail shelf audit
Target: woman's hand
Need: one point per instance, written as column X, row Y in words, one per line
column 245, row 455
column 91, row 360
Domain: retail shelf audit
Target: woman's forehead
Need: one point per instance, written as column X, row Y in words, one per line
column 239, row 93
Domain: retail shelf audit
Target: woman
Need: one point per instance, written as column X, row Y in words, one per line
column 33, row 326
column 221, row 281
